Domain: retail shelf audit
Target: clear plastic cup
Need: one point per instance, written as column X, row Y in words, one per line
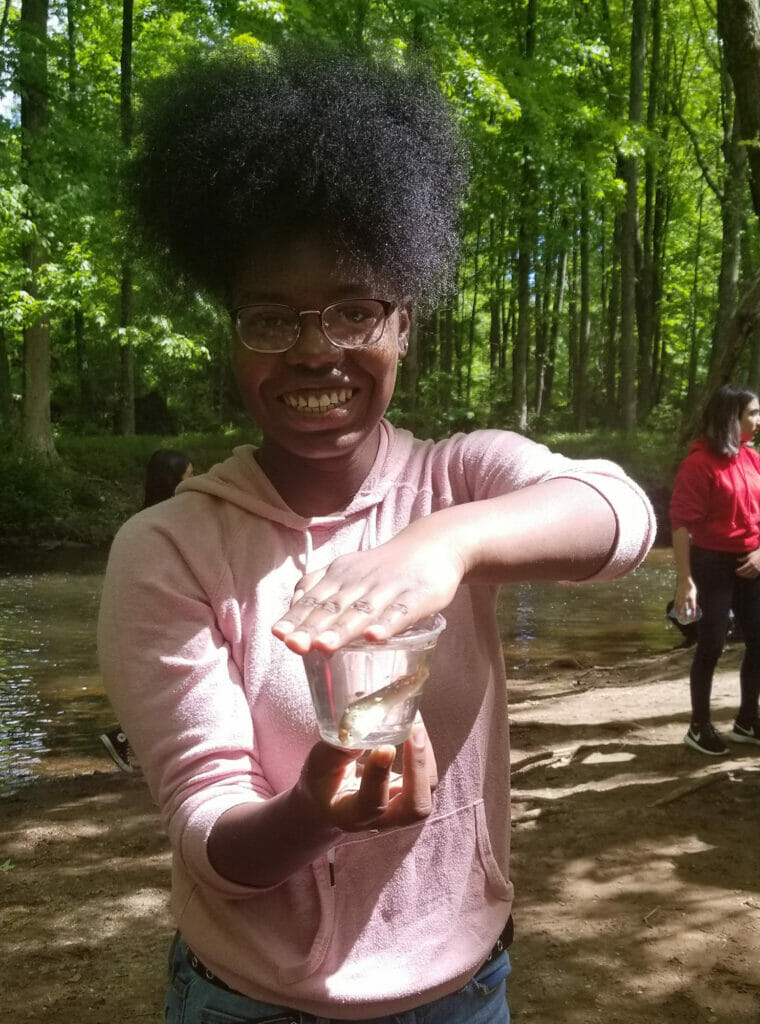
column 368, row 693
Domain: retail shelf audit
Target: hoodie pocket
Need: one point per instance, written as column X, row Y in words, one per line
column 418, row 889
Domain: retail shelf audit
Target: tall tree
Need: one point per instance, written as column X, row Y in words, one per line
column 739, row 28
column 525, row 241
column 127, row 417
column 630, row 239
column 33, row 86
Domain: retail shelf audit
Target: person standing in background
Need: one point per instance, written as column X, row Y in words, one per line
column 715, row 515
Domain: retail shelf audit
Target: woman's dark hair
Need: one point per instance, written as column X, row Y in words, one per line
column 721, row 416
column 164, row 471
column 358, row 152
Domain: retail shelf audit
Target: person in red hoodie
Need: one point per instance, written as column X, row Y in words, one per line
column 715, row 515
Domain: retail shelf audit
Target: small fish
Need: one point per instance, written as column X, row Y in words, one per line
column 365, row 715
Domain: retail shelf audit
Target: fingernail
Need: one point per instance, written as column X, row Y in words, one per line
column 385, row 756
column 329, row 638
column 419, row 736
column 298, row 639
column 283, row 626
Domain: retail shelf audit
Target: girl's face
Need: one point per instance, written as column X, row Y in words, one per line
column 316, row 401
column 749, row 421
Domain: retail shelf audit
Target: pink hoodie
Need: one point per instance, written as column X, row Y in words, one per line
column 219, row 713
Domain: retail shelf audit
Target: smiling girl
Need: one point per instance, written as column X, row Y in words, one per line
column 316, row 195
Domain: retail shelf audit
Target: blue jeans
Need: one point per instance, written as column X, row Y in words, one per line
column 190, row 999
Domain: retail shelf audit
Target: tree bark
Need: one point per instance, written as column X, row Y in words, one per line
column 630, row 239
column 36, row 430
column 691, row 383
column 6, row 395
column 646, row 279
column 739, row 29
column 732, row 224
column 525, row 240
column 522, row 339
column 740, row 333
column 584, row 319
column 557, row 308
column 127, row 412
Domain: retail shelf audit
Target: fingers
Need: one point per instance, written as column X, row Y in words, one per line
column 326, row 770
column 420, row 773
column 381, row 799
column 366, row 806
column 326, row 618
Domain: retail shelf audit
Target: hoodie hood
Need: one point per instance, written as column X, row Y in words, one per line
column 240, row 481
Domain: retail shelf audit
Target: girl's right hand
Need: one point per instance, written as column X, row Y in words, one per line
column 372, row 796
column 685, row 600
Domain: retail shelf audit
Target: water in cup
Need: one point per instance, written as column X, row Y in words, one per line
column 366, row 693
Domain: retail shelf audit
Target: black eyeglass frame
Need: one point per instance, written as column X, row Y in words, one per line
column 388, row 308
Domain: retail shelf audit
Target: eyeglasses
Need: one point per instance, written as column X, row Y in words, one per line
column 350, row 323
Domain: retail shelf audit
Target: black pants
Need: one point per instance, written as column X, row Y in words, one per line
column 719, row 590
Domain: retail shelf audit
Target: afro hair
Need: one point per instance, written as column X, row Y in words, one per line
column 239, row 149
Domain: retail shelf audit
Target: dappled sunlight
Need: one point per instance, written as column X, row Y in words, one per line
column 86, row 880
column 635, row 867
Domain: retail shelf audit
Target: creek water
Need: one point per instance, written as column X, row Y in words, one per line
column 52, row 703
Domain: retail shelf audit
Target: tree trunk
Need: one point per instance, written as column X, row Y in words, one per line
column 732, row 223
column 410, row 373
column 557, row 308
column 83, row 374
column 522, row 339
column 646, row 280
column 584, row 321
column 543, row 312
column 630, row 239
column 525, row 240
column 127, row 417
column 6, row 395
column 691, row 383
column 610, row 291
column 473, row 316
column 739, row 29
column 36, row 427
column 572, row 326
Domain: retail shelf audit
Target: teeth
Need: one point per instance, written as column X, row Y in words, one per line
column 316, row 402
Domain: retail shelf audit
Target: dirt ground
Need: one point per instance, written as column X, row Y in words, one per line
column 635, row 860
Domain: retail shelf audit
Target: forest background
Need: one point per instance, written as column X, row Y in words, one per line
column 609, row 272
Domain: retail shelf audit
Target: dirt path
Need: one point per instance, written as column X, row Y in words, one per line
column 635, row 860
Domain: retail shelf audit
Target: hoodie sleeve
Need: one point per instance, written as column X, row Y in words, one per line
column 692, row 488
column 496, row 462
column 165, row 646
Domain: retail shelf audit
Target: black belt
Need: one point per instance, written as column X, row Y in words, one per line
column 503, row 942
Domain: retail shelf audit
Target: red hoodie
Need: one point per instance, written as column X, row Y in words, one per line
column 717, row 498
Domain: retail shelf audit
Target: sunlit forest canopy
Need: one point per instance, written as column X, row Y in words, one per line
column 610, row 241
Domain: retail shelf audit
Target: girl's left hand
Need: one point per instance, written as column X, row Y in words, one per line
column 374, row 594
column 749, row 566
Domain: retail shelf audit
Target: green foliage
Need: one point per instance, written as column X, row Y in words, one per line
column 95, row 486
column 40, row 501
column 544, row 110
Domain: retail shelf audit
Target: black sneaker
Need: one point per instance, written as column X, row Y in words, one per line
column 741, row 735
column 117, row 745
column 705, row 739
